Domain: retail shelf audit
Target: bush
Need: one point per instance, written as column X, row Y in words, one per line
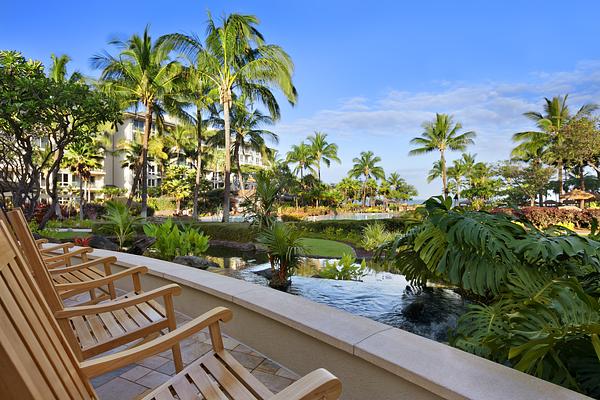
column 543, row 217
column 119, row 222
column 162, row 203
column 172, row 242
column 375, row 234
column 345, row 269
column 233, row 231
column 93, row 210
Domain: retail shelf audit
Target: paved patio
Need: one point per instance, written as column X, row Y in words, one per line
column 134, row 381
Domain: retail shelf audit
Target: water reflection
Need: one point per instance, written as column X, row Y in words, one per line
column 380, row 295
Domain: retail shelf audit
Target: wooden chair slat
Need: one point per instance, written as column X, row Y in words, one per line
column 125, row 320
column 253, row 384
column 137, row 316
column 98, row 328
column 82, row 330
column 182, row 387
column 226, row 379
column 111, row 324
column 208, row 387
column 152, row 310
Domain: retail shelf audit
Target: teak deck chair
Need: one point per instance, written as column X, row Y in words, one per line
column 66, row 276
column 36, row 363
column 95, row 329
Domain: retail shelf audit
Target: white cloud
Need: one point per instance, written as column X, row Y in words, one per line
column 492, row 109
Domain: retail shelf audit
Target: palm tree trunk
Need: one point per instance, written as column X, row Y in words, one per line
column 364, row 193
column 81, row 197
column 444, row 177
column 198, row 161
column 561, row 189
column 581, row 185
column 145, row 140
column 227, row 172
column 236, row 157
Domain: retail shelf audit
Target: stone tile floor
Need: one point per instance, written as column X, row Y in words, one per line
column 138, row 379
column 134, row 381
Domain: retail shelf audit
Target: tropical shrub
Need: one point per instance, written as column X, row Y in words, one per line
column 375, row 234
column 345, row 269
column 162, row 203
column 261, row 205
column 232, row 231
column 284, row 248
column 118, row 221
column 535, row 293
column 544, row 217
column 171, row 241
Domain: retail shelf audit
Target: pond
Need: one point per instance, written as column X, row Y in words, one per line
column 381, row 296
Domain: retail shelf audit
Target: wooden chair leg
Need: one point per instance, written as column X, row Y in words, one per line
column 172, row 324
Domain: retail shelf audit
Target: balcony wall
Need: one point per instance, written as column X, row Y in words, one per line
column 373, row 360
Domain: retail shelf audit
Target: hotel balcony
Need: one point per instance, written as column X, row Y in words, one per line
column 279, row 337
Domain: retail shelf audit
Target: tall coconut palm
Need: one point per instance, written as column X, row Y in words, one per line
column 366, row 167
column 435, row 172
column 236, row 59
column 301, row 155
column 82, row 158
column 394, row 180
column 556, row 114
column 246, row 126
column 322, row 151
column 179, row 140
column 442, row 134
column 142, row 73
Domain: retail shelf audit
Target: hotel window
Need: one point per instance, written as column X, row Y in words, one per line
column 63, row 179
column 138, row 125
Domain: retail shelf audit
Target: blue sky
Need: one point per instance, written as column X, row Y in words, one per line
column 368, row 73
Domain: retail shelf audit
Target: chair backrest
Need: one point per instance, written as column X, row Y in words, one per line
column 35, row 359
column 34, row 258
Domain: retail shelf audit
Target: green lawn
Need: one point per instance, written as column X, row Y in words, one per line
column 326, row 248
column 67, row 235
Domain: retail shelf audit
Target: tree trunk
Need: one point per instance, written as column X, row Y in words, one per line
column 581, row 185
column 561, row 189
column 532, row 201
column 145, row 140
column 236, row 157
column 364, row 194
column 227, row 171
column 444, row 177
column 198, row 161
column 81, row 197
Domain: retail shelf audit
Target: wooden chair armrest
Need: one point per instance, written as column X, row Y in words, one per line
column 100, row 365
column 61, row 246
column 77, row 311
column 318, row 385
column 96, row 261
column 61, row 259
column 85, row 286
column 40, row 242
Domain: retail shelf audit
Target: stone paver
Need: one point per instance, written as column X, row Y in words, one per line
column 135, row 380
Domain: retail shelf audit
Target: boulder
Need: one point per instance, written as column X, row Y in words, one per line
column 102, row 242
column 141, row 244
column 414, row 311
column 233, row 245
column 265, row 273
column 195, row 262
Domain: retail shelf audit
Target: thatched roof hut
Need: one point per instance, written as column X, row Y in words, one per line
column 578, row 195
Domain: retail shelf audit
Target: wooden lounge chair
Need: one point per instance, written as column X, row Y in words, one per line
column 97, row 328
column 37, row 363
column 65, row 274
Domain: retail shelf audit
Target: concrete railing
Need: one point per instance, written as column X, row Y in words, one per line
column 373, row 360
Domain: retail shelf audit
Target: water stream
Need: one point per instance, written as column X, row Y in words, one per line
column 381, row 296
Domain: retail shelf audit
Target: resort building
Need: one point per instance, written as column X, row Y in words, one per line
column 113, row 174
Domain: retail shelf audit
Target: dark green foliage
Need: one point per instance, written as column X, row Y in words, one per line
column 233, row 231
column 544, row 217
column 536, row 292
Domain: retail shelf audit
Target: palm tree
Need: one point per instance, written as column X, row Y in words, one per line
column 366, row 167
column 82, row 158
column 236, row 59
column 440, row 135
column 58, row 69
column 247, row 132
column 322, row 151
column 394, row 180
column 302, row 156
column 435, row 172
column 179, row 140
column 143, row 73
column 556, row 114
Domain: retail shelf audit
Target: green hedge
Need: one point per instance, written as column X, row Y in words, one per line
column 356, row 226
column 233, row 231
